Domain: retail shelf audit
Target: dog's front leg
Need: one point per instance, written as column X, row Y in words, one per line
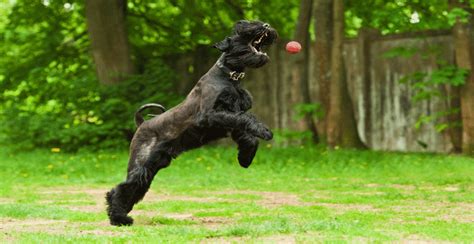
column 256, row 127
column 240, row 121
column 248, row 145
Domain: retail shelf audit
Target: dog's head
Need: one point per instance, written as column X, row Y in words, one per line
column 245, row 47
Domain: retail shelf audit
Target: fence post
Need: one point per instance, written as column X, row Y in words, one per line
column 365, row 38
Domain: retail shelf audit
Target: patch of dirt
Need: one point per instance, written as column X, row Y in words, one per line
column 100, row 232
column 97, row 208
column 32, row 225
column 373, row 185
column 278, row 239
column 416, row 239
column 153, row 197
column 341, row 208
column 51, row 227
column 451, row 188
column 396, row 186
column 178, row 216
column 403, row 187
column 283, row 239
column 321, row 194
column 7, row 238
column 6, row 200
column 409, row 188
column 376, row 193
column 96, row 195
column 210, row 222
column 147, row 213
column 277, row 199
column 270, row 199
column 462, row 212
column 213, row 222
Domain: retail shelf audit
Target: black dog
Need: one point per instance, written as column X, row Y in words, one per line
column 215, row 108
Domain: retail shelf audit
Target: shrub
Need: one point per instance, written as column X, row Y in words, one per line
column 66, row 107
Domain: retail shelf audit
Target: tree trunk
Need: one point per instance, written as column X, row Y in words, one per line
column 453, row 94
column 300, row 64
column 323, row 14
column 341, row 124
column 464, row 45
column 110, row 50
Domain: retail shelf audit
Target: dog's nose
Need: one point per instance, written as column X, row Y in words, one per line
column 266, row 25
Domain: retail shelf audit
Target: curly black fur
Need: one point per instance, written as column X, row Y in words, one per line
column 216, row 107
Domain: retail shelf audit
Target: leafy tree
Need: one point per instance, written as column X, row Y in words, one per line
column 51, row 95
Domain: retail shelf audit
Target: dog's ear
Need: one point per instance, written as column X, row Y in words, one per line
column 224, row 45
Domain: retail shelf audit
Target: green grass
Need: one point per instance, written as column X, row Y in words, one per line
column 301, row 194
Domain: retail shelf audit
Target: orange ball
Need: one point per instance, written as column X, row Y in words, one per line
column 293, row 47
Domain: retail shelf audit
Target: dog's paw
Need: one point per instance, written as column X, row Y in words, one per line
column 121, row 220
column 267, row 135
column 245, row 157
column 245, row 162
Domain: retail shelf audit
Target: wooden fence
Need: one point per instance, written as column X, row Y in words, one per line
column 384, row 107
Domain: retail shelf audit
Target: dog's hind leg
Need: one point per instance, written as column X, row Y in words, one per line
column 141, row 171
column 248, row 145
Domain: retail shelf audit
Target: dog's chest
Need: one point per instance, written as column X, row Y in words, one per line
column 233, row 99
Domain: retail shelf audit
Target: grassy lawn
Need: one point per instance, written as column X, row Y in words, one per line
column 299, row 194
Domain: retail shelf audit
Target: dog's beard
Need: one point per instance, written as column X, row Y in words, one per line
column 247, row 58
column 249, row 53
column 256, row 60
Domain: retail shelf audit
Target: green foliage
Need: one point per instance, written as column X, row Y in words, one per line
column 458, row 14
column 438, row 116
column 399, row 16
column 167, row 26
column 83, row 113
column 427, row 84
column 50, row 94
column 449, row 75
column 396, row 16
column 314, row 110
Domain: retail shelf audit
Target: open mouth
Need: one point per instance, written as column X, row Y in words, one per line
column 257, row 43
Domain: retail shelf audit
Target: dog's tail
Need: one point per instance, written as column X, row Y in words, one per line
column 139, row 118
